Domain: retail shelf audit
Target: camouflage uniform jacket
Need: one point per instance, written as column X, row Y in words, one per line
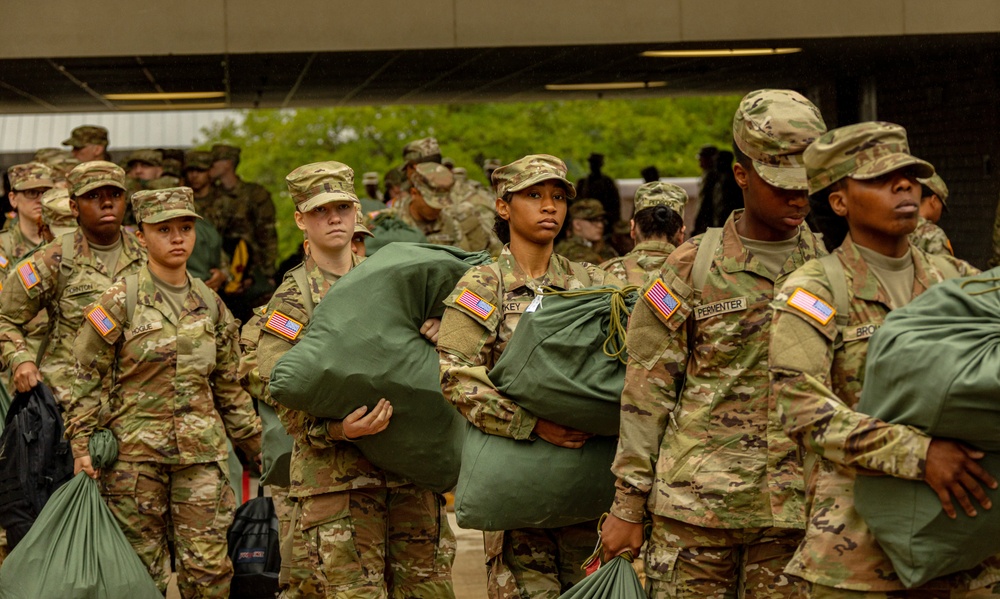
column 474, row 193
column 635, row 266
column 817, row 381
column 470, row 345
column 460, row 225
column 578, row 249
column 33, row 287
column 323, row 459
column 175, row 394
column 714, row 456
column 230, row 217
column 13, row 247
column 931, row 238
column 263, row 241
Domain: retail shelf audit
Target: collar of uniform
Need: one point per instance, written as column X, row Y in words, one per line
column 865, row 284
column 737, row 258
column 318, row 283
column 653, row 245
column 557, row 276
column 131, row 251
column 146, row 296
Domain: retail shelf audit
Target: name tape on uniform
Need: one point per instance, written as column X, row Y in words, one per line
column 286, row 327
column 101, row 321
column 480, row 307
column 736, row 304
column 662, row 299
column 142, row 328
column 811, row 306
column 860, row 332
column 78, row 289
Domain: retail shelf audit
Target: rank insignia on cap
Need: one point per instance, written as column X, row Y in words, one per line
column 289, row 328
column 811, row 306
column 478, row 305
column 101, row 321
column 28, row 275
column 661, row 298
column 3, row 261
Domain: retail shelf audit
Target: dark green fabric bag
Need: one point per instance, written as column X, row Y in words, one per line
column 557, row 365
column 614, row 580
column 507, row 484
column 5, row 400
column 387, row 229
column 347, row 358
column 75, row 549
column 277, row 448
column 935, row 365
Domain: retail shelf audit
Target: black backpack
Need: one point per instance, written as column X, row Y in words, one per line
column 254, row 549
column 35, row 460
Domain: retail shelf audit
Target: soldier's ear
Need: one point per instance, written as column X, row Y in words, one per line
column 299, row 222
column 503, row 209
column 73, row 208
column 741, row 175
column 838, row 200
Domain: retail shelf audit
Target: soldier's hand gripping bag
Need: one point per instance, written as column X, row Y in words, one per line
column 75, row 549
column 351, row 355
column 935, row 365
column 566, row 363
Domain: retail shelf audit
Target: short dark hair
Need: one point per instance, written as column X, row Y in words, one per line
column 657, row 222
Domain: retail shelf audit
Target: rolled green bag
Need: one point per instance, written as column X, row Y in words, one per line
column 347, row 358
column 613, row 580
column 935, row 365
column 75, row 549
column 387, row 229
column 507, row 484
column 557, row 366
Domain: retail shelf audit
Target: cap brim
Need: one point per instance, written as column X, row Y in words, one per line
column 363, row 230
column 166, row 215
column 570, row 188
column 893, row 162
column 69, row 142
column 35, row 184
column 783, row 177
column 326, row 198
column 99, row 184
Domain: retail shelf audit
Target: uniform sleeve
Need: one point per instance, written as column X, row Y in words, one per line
column 465, row 349
column 801, row 364
column 94, row 349
column 26, row 292
column 231, row 401
column 266, row 233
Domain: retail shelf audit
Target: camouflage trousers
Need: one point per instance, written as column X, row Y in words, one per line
column 3, row 545
column 684, row 561
column 531, row 563
column 372, row 544
column 284, row 508
column 196, row 500
column 818, row 591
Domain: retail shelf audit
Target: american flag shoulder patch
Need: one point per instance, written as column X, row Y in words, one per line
column 662, row 299
column 480, row 307
column 101, row 321
column 811, row 306
column 283, row 325
column 4, row 261
column 28, row 275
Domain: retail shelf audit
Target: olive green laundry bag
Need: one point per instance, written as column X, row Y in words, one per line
column 387, row 229
column 614, row 580
column 363, row 343
column 566, row 361
column 935, row 365
column 75, row 549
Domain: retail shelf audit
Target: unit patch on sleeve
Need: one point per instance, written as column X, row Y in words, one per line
column 811, row 306
column 101, row 321
column 28, row 275
column 289, row 328
column 661, row 298
column 480, row 307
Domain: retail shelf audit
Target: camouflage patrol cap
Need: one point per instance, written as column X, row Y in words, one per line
column 313, row 185
column 394, row 176
column 370, row 178
column 172, row 167
column 153, row 157
column 459, row 171
column 198, row 160
column 56, row 211
column 433, row 181
column 44, row 155
column 491, row 164
column 773, row 127
column 94, row 174
column 861, row 151
column 86, row 135
column 157, row 205
column 33, row 175
column 61, row 161
column 530, row 170
column 586, row 209
column 359, row 225
column 659, row 193
column 936, row 184
column 225, row 152
column 421, row 150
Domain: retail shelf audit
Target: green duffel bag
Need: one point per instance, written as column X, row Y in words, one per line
column 614, row 580
column 507, row 484
column 75, row 549
column 276, row 446
column 387, row 229
column 566, row 363
column 348, row 357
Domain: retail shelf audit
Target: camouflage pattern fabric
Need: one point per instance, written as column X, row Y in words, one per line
column 193, row 501
column 527, row 171
column 658, row 193
column 579, row 249
column 817, row 383
column 176, row 396
column 473, row 192
column 460, row 225
column 421, row 150
column 692, row 562
column 33, row 175
column 229, row 217
column 260, row 218
column 86, row 135
column 647, row 257
column 931, row 238
column 36, row 286
column 14, row 246
column 709, row 452
column 537, row 563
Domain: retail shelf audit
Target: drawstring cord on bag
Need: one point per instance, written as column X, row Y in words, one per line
column 984, row 281
column 614, row 345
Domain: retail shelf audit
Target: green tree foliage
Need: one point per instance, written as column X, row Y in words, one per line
column 632, row 134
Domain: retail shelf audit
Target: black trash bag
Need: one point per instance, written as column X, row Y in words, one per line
column 254, row 541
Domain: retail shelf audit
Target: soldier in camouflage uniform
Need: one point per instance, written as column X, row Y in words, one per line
column 66, row 276
column 817, row 366
column 57, row 215
column 928, row 236
column 144, row 169
column 373, row 202
column 657, row 228
column 706, row 459
column 28, row 182
column 60, row 161
column 172, row 353
column 89, row 142
column 586, row 244
column 361, row 532
column 525, row 563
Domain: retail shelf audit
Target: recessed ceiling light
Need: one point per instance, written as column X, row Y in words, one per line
column 576, row 87
column 719, row 52
column 188, row 106
column 165, row 96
